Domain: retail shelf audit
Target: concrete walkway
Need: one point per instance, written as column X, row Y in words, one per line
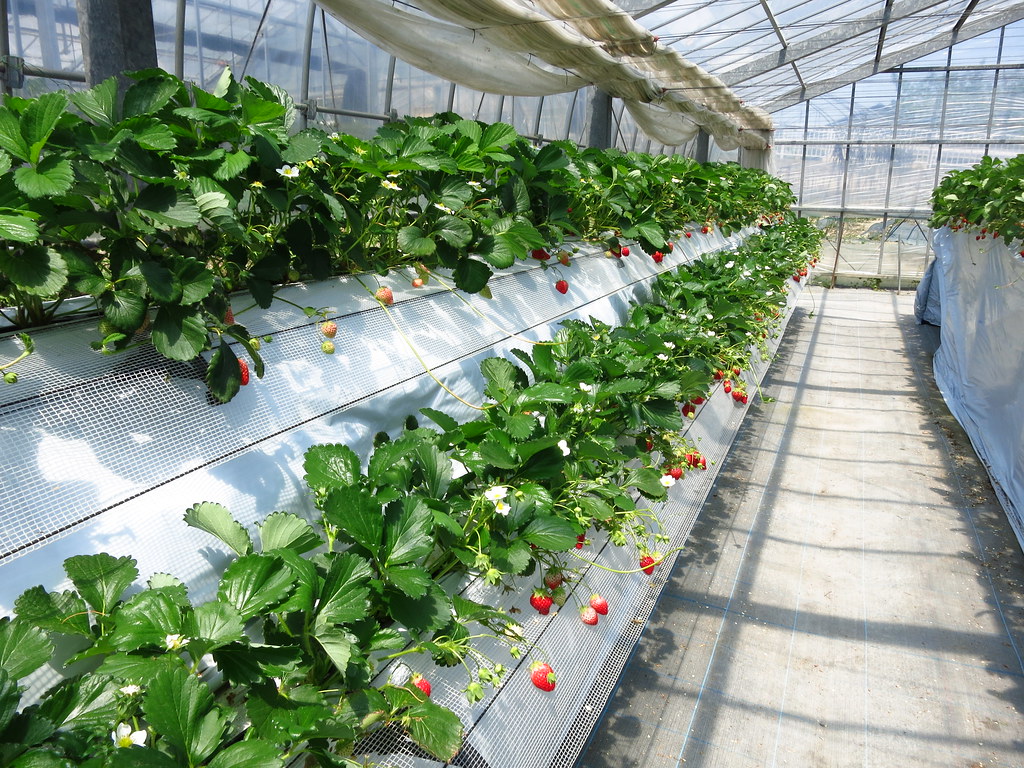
column 851, row 594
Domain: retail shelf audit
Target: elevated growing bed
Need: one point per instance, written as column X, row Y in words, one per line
column 980, row 362
column 104, row 454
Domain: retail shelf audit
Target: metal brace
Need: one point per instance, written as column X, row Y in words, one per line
column 12, row 72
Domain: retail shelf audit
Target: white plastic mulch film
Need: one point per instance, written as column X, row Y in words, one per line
column 979, row 362
column 105, row 453
column 525, row 48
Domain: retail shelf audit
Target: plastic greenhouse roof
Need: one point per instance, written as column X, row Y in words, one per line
column 776, row 53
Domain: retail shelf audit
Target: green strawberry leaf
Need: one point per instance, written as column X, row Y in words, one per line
column 330, row 466
column 223, row 374
column 471, row 275
column 407, row 534
column 146, row 620
column 337, row 644
column 255, row 583
column 62, row 612
column 412, row 241
column 437, row 470
column 284, row 530
column 125, row 308
column 162, row 283
column 20, row 229
column 101, row 578
column 39, row 119
column 550, row 532
column 10, row 699
column 181, row 709
column 233, row 165
column 216, row 520
column 179, row 333
column 53, row 176
column 23, row 648
column 358, row 514
column 424, row 614
column 455, row 231
column 436, row 729
column 11, row 140
column 410, row 579
column 168, row 207
column 501, row 378
column 248, row 754
column 36, row 270
column 99, row 103
column 343, row 596
column 213, row 625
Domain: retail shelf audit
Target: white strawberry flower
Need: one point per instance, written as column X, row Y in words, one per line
column 769, row 293
column 668, row 481
column 709, row 316
column 730, row 264
column 711, row 334
column 443, row 207
column 175, row 642
column 564, row 445
column 130, row 690
column 334, row 136
column 391, row 185
column 124, row 736
column 502, row 508
column 586, row 387
column 288, row 171
column 496, row 493
column 669, row 345
column 662, row 356
column 475, row 185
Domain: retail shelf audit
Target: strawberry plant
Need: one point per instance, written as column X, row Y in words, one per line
column 988, row 197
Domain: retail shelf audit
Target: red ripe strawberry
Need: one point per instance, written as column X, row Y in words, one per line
column 581, row 540
column 542, row 601
column 588, row 615
column 744, row 398
column 648, row 445
column 562, row 286
column 540, row 254
column 690, row 459
column 689, row 410
column 243, row 368
column 599, row 604
column 647, row 563
column 422, row 683
column 563, row 258
column 705, row 229
column 625, row 251
column 553, row 579
column 719, row 375
column 796, row 278
column 329, row 329
column 384, row 295
column 670, row 246
column 703, row 463
column 689, row 234
column 737, row 394
column 737, row 370
column 417, row 282
column 542, row 675
column 727, row 386
column 229, row 317
column 676, row 472
column 657, row 256
column 697, row 400
column 615, row 251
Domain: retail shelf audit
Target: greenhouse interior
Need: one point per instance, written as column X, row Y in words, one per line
column 512, row 383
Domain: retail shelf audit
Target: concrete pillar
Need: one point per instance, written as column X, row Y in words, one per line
column 600, row 120
column 117, row 36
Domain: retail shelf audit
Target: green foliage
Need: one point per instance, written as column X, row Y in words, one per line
column 989, row 195
column 163, row 204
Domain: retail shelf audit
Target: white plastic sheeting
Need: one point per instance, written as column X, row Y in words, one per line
column 492, row 45
column 980, row 362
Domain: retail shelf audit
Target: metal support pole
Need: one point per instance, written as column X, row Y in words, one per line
column 307, row 55
column 179, row 40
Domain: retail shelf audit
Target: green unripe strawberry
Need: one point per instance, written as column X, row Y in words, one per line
column 327, row 347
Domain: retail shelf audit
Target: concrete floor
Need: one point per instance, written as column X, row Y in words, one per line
column 851, row 594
